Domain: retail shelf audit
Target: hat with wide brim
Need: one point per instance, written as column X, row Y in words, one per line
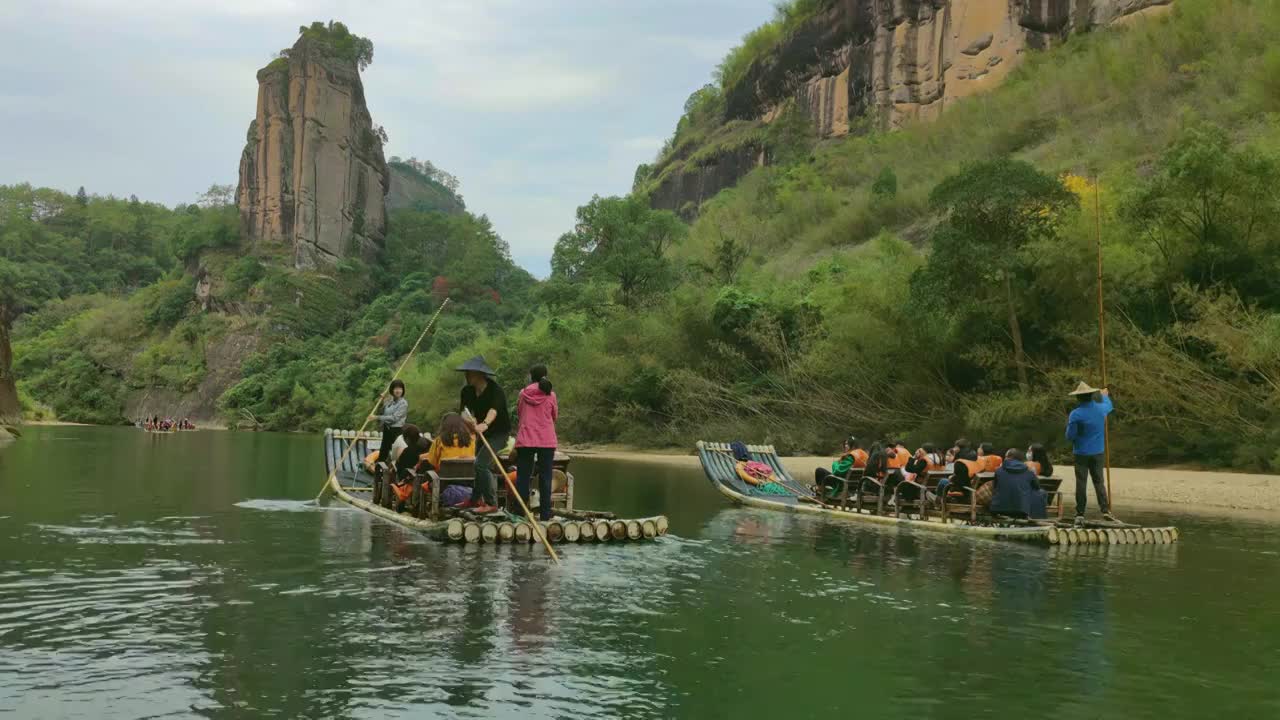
column 476, row 364
column 1084, row 389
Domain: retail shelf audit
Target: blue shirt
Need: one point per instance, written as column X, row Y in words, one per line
column 1086, row 427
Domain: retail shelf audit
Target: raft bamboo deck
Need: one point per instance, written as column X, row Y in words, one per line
column 352, row 485
column 719, row 466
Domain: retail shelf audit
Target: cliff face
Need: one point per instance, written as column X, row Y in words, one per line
column 312, row 174
column 891, row 62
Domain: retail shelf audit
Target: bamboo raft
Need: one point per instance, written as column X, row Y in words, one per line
column 354, row 485
column 719, row 466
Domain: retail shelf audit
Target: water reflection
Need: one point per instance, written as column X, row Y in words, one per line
column 223, row 593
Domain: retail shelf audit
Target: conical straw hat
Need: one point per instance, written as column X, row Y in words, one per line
column 1083, row 389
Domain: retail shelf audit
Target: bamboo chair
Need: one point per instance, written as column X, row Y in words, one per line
column 968, row 506
column 924, row 484
column 453, row 471
column 852, row 478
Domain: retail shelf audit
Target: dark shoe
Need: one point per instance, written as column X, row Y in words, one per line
column 1079, row 521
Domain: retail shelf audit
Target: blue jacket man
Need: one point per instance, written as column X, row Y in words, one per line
column 1086, row 431
column 1017, row 491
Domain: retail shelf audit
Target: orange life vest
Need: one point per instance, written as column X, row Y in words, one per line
column 403, row 491
column 990, row 463
column 859, row 457
column 973, row 468
column 1035, row 466
column 899, row 459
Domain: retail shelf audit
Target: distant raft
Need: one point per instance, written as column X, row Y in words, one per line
column 868, row 501
column 423, row 510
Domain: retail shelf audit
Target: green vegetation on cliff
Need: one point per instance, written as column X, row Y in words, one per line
column 800, row 308
column 54, row 246
column 134, row 308
column 929, row 282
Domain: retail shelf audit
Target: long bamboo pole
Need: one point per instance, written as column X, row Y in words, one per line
column 334, row 474
column 511, row 488
column 1102, row 335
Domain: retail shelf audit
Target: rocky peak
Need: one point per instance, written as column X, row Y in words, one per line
column 312, row 174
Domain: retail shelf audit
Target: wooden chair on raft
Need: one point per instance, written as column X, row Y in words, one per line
column 428, row 486
column 973, row 503
column 919, row 489
column 873, row 492
column 852, row 479
column 963, row 499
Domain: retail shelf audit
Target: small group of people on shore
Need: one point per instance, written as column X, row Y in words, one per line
column 158, row 424
column 1014, row 489
column 482, row 423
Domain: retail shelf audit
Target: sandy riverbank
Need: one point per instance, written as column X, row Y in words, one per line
column 1214, row 491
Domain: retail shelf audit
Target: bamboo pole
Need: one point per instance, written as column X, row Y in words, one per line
column 1102, row 336
column 334, row 474
column 511, row 489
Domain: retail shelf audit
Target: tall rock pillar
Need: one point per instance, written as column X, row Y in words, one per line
column 312, row 174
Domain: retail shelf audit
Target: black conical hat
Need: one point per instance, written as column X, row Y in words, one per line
column 476, row 364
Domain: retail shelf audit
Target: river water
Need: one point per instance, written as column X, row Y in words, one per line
column 188, row 575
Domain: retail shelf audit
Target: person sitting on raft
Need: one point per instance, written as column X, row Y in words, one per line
column 962, row 450
column 1017, row 493
column 926, row 459
column 896, row 454
column 964, row 470
column 852, row 457
column 454, row 441
column 988, row 459
column 406, row 463
column 880, row 469
column 1038, row 460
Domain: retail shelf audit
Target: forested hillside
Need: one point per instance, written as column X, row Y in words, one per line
column 928, row 282
column 130, row 308
column 875, row 284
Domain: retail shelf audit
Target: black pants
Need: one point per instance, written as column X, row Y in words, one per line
column 1087, row 465
column 485, row 488
column 823, row 477
column 389, row 436
column 527, row 459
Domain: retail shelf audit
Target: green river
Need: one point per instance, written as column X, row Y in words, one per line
column 189, row 575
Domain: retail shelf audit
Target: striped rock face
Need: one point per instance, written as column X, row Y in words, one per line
column 886, row 64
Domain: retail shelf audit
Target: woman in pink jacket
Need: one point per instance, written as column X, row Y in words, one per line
column 537, row 411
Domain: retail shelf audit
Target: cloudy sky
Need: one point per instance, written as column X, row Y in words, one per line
column 534, row 105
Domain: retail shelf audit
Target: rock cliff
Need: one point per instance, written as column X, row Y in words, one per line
column 886, row 63
column 312, row 174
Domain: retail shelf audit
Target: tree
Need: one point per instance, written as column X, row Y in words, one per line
column 623, row 241
column 217, row 196
column 82, row 198
column 1209, row 209
column 29, row 275
column 992, row 212
column 643, row 171
column 886, row 184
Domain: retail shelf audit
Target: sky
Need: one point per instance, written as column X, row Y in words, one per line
column 534, row 105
